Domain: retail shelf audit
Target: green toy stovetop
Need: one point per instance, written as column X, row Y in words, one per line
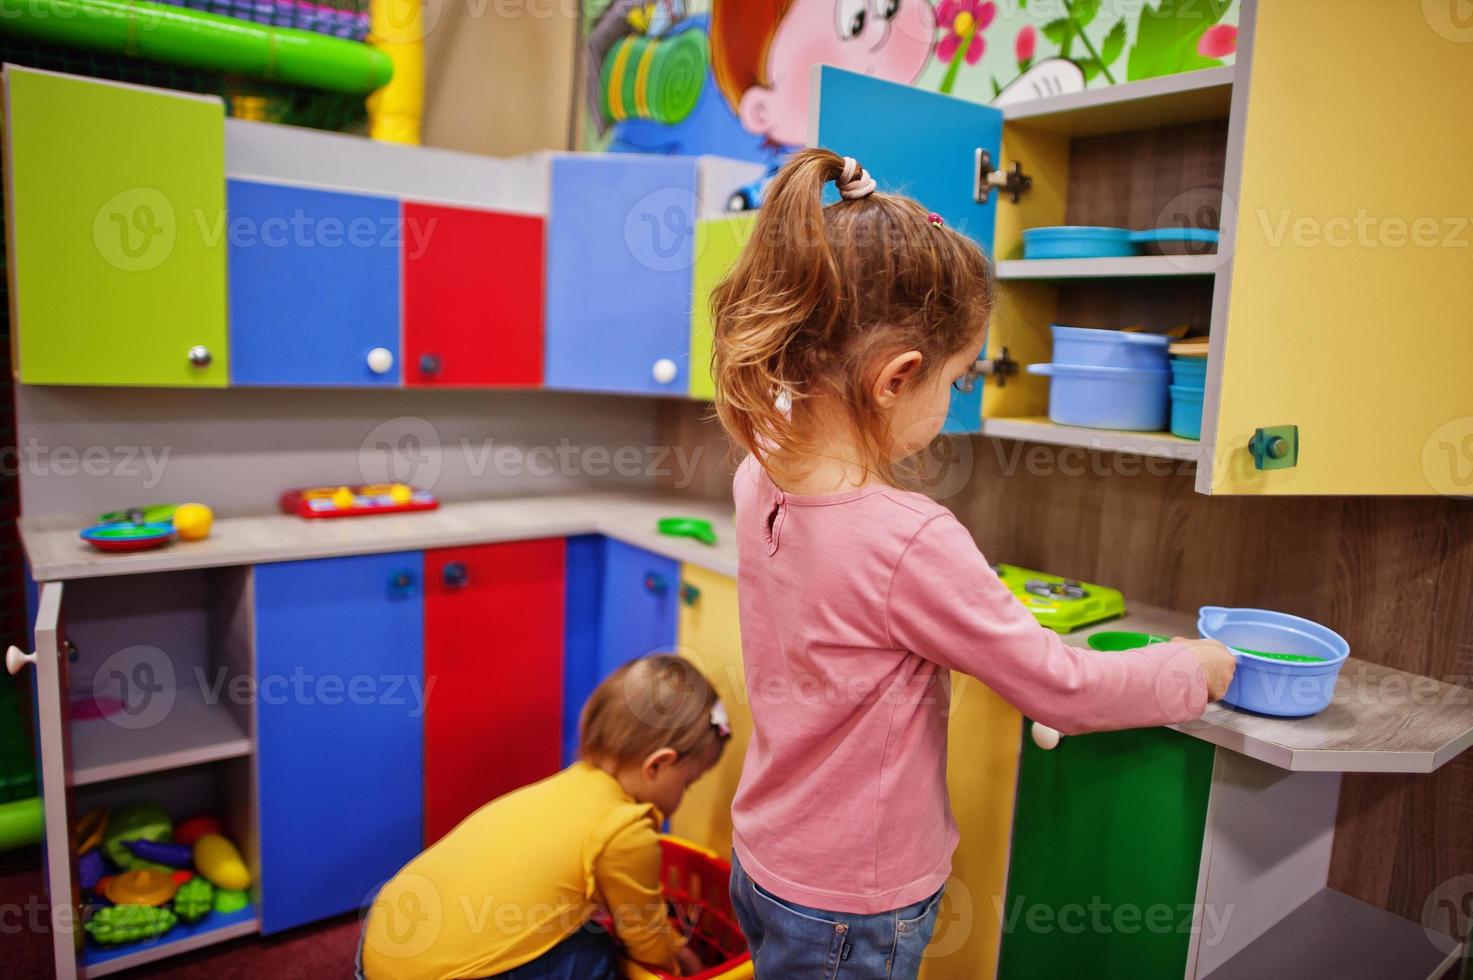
column 1061, row 604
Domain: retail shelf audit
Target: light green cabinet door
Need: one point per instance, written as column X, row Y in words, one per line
column 117, row 232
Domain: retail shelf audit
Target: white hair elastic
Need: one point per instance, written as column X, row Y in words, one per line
column 855, row 182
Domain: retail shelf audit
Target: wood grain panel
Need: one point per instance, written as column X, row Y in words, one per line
column 1148, row 178
column 1392, row 574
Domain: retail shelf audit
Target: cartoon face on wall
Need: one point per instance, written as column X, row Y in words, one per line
column 762, row 52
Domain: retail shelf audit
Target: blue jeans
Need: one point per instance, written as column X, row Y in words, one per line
column 794, row 942
column 588, row 954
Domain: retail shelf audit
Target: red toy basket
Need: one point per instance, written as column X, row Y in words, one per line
column 695, row 884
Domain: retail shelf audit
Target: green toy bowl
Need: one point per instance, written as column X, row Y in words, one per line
column 1113, row 641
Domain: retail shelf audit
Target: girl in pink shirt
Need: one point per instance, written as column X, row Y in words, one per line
column 838, row 337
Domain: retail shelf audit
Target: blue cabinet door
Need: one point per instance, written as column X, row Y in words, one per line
column 621, row 604
column 923, row 145
column 314, row 286
column 620, row 252
column 340, row 726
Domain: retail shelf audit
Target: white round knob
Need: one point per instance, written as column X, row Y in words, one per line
column 1045, row 737
column 16, row 658
column 380, row 360
column 664, row 370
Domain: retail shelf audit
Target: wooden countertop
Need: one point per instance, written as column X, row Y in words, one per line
column 1382, row 720
column 56, row 552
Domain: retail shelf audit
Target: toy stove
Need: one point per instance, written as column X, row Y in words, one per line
column 1061, row 604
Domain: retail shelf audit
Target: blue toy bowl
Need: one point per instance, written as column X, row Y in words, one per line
column 1087, row 347
column 1186, row 412
column 1100, row 242
column 1189, row 372
column 1106, row 397
column 1268, row 685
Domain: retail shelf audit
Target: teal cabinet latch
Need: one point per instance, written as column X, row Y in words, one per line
column 1275, row 447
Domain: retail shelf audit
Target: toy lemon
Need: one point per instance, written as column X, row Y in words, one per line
column 401, row 493
column 142, row 887
column 192, row 521
column 217, row 859
column 343, row 498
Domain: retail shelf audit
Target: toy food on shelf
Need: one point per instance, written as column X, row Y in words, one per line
column 357, row 501
column 142, row 887
column 229, row 900
column 157, row 852
column 192, row 522
column 688, row 527
column 128, row 537
column 218, row 860
column 129, row 859
column 194, row 828
column 129, row 923
column 141, row 821
column 194, row 899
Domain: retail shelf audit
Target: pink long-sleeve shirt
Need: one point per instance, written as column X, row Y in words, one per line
column 854, row 607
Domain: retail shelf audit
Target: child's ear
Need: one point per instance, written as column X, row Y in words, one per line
column 894, row 375
column 657, row 761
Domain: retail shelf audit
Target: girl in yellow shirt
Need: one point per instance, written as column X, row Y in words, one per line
column 512, row 891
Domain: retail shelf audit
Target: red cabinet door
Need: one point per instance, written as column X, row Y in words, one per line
column 494, row 653
column 472, row 296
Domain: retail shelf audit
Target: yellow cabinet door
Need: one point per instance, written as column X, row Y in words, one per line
column 708, row 635
column 1352, row 269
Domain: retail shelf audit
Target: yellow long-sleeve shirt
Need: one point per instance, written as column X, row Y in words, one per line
column 520, row 875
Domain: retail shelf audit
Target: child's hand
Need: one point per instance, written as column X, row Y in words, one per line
column 1217, row 663
column 690, row 964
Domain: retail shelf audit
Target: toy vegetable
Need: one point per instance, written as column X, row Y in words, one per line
column 230, row 901
column 141, row 821
column 194, row 828
column 159, row 852
column 194, row 899
column 218, row 860
column 128, row 923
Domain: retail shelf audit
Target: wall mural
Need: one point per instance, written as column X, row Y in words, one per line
column 730, row 77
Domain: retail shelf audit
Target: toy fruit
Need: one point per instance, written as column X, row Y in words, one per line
column 194, row 899
column 228, row 900
column 141, row 821
column 158, row 852
column 142, row 887
column 90, row 869
column 127, row 923
column 342, row 498
column 90, row 828
column 218, row 860
column 192, row 521
column 401, row 493
column 194, row 828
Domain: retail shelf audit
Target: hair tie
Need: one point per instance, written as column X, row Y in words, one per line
column 720, row 721
column 935, row 220
column 855, row 182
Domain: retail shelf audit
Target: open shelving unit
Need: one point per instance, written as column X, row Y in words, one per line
column 216, row 927
column 1135, row 155
column 193, row 731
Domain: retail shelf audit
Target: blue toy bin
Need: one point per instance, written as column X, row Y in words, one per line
column 1186, row 412
column 1189, row 372
column 1269, row 686
column 1106, row 397
column 1088, row 347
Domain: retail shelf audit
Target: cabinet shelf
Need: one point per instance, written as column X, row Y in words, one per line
column 1153, row 102
column 1129, row 267
column 1040, row 429
column 1334, row 935
column 216, row 927
column 193, row 732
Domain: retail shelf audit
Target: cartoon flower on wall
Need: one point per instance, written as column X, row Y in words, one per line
column 963, row 22
column 1218, row 42
column 1025, row 46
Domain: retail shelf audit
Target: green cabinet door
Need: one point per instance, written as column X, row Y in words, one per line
column 1107, row 842
column 116, row 201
